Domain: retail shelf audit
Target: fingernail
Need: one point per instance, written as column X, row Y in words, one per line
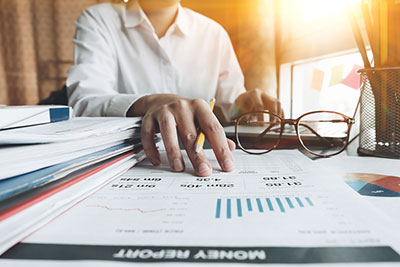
column 228, row 165
column 177, row 165
column 203, row 167
column 155, row 162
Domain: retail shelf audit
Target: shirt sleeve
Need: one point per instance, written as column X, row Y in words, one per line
column 91, row 82
column 231, row 79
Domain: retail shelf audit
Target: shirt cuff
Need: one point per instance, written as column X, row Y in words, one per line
column 121, row 103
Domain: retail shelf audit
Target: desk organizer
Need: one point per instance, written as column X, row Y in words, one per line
column 380, row 112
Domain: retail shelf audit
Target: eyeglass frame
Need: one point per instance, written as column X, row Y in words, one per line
column 295, row 123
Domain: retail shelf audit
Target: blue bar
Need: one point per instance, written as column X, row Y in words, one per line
column 280, row 204
column 228, row 208
column 289, row 202
column 218, row 214
column 239, row 207
column 309, row 201
column 299, row 202
column 269, row 203
column 260, row 208
column 249, row 207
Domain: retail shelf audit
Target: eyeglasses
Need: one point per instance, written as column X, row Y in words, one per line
column 321, row 133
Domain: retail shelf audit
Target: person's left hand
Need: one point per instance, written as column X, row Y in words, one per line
column 257, row 100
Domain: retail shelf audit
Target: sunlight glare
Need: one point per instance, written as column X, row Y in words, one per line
column 317, row 9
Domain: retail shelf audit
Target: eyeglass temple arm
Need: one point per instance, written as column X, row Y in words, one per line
column 261, row 135
column 358, row 105
column 314, row 132
column 333, row 121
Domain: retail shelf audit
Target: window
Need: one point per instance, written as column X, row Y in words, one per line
column 325, row 83
column 312, row 28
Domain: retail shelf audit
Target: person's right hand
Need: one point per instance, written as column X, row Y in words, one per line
column 172, row 114
column 258, row 100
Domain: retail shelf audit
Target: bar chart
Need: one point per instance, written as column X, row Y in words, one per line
column 228, row 208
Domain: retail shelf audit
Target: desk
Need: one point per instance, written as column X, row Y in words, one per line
column 154, row 214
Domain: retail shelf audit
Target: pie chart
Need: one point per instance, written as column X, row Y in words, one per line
column 368, row 184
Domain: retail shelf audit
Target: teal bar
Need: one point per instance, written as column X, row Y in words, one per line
column 239, row 207
column 249, row 207
column 309, row 201
column 289, row 203
column 260, row 208
column 270, row 207
column 299, row 202
column 278, row 200
column 218, row 214
column 228, row 208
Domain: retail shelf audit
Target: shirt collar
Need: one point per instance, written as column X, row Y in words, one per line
column 134, row 16
column 182, row 21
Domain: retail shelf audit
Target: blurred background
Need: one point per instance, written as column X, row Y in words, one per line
column 271, row 39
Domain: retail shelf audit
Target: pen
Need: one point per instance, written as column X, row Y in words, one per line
column 368, row 26
column 198, row 145
column 359, row 39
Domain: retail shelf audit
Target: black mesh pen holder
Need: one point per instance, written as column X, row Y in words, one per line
column 380, row 112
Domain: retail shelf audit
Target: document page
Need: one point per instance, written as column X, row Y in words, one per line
column 32, row 214
column 277, row 208
column 69, row 130
column 375, row 179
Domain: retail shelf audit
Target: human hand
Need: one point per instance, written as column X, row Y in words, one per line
column 172, row 114
column 257, row 100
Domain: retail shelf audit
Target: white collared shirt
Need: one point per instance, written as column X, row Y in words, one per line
column 119, row 58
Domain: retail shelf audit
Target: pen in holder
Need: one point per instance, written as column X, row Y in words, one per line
column 380, row 112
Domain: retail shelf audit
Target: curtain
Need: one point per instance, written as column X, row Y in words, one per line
column 18, row 70
column 36, row 47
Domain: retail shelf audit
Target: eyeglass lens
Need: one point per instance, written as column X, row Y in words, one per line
column 258, row 132
column 321, row 133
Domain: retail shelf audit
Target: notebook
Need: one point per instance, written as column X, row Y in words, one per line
column 19, row 116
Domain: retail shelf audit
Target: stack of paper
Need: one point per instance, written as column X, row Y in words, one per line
column 48, row 168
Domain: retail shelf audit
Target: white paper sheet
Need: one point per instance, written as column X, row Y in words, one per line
column 19, row 184
column 15, row 228
column 279, row 201
column 22, row 159
column 370, row 166
column 63, row 131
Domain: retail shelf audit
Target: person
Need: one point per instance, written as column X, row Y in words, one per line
column 156, row 59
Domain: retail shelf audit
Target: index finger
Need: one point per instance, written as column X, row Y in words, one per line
column 215, row 134
column 273, row 104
